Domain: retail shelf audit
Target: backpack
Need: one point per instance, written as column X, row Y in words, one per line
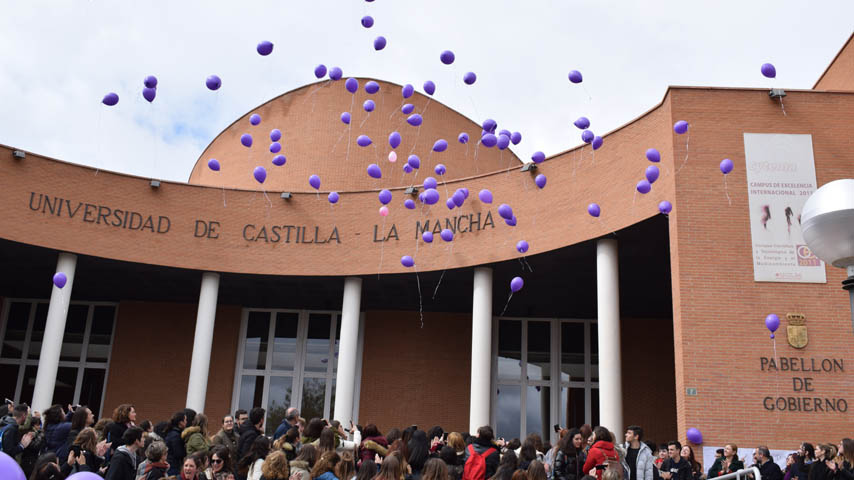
column 475, row 468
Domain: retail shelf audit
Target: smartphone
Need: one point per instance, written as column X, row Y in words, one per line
column 557, row 428
column 601, row 467
column 9, row 402
column 76, row 450
column 445, row 437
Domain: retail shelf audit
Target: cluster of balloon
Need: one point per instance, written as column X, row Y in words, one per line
column 694, row 436
column 726, row 166
column 149, row 90
column 505, row 212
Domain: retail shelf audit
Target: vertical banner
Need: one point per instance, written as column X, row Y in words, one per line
column 780, row 178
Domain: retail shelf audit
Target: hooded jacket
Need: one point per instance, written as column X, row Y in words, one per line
column 177, row 451
column 372, row 446
column 601, row 452
column 643, row 466
column 568, row 468
column 299, row 470
column 56, row 438
column 227, row 440
column 122, row 465
column 195, row 441
column 248, row 434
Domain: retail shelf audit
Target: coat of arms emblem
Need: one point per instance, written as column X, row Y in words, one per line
column 796, row 330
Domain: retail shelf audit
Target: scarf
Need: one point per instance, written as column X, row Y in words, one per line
column 150, row 466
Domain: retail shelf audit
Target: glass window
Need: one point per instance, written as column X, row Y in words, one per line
column 38, row 331
column 313, row 396
column 8, row 380
column 572, row 351
column 317, row 343
column 29, row 385
column 572, row 408
column 75, row 329
column 539, row 350
column 594, row 353
column 101, row 333
column 537, row 408
column 279, row 399
column 594, row 406
column 16, row 331
column 66, row 383
column 251, row 392
column 508, row 408
column 509, row 349
column 92, row 388
column 255, row 346
column 285, row 341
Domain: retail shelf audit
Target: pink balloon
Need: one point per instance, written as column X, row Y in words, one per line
column 392, row 156
column 384, row 211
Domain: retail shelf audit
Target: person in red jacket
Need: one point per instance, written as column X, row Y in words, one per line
column 600, row 453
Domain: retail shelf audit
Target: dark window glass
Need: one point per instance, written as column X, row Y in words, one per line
column 16, row 330
column 508, row 415
column 285, row 342
column 509, row 350
column 75, row 328
column 100, row 334
column 594, row 406
column 537, row 408
column 539, row 353
column 594, row 351
column 279, row 399
column 38, row 331
column 92, row 388
column 313, row 395
column 29, row 385
column 317, row 343
column 255, row 348
column 66, row 382
column 8, row 380
column 251, row 392
column 572, row 351
column 572, row 408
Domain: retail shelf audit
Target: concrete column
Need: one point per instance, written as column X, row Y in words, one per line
column 197, row 386
column 348, row 348
column 53, row 332
column 608, row 303
column 481, row 349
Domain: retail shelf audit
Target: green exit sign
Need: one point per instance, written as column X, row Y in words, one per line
column 691, row 392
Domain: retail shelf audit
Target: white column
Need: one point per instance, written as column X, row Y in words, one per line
column 608, row 303
column 481, row 349
column 197, row 386
column 348, row 347
column 54, row 330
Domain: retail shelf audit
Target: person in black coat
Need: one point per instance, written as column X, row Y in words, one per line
column 250, row 430
column 768, row 470
column 567, row 465
column 14, row 440
column 123, row 461
column 482, row 445
column 177, row 450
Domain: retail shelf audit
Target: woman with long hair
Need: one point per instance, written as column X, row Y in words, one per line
column 327, row 441
column 192, row 468
column 92, row 450
column 346, row 468
column 419, row 452
column 221, row 466
column 391, row 469
column 536, row 471
column 301, row 466
column 56, row 431
column 569, row 457
column 276, row 466
column 373, row 443
column 196, row 437
column 728, row 463
column 456, row 440
column 687, row 453
column 324, row 469
column 843, row 467
column 455, row 468
column 251, row 463
column 367, row 470
column 47, row 467
column 434, row 469
column 80, row 419
column 819, row 469
column 509, row 464
column 124, row 417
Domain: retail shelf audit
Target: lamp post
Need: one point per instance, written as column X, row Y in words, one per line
column 827, row 222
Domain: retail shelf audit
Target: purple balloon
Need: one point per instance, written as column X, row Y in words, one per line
column 505, row 211
column 10, row 470
column 414, row 120
column 450, row 203
column 394, row 139
column 587, row 136
column 407, row 90
column 352, row 85
column 150, row 81
column 363, row 140
column 516, row 284
column 384, row 197
column 772, row 322
column 522, row 246
column 447, row 57
column 314, row 181
column 409, row 203
column 447, row 235
column 333, row 197
column 463, row 138
column 374, row 171
column 379, row 43
column 489, row 125
column 597, row 142
column 515, row 137
column 503, row 142
column 110, row 99
column 465, row 192
column 680, row 127
column 431, row 196
column 407, row 168
column 407, row 261
column 440, row 146
column 372, row 87
column 275, row 147
column 485, row 196
column 335, row 73
column 694, row 436
column 430, row 182
column 60, row 279
column 575, row 76
column 275, row 135
column 429, row 87
column 255, row 119
column 260, row 174
column 652, row 173
column 367, row 21
column 149, row 94
column 489, row 140
column 264, row 48
column 594, row 210
column 213, row 82
column 246, row 140
column 413, row 161
column 459, row 198
column 407, row 108
column 665, row 207
column 504, row 133
column 213, row 164
column 726, row 166
column 320, row 71
column 768, row 70
column 369, row 105
column 643, row 186
column 345, row 117
column 469, row 78
column 510, row 221
column 582, row 123
column 538, row 157
column 440, row 169
column 279, row 160
column 427, row 236
column 540, row 180
column 653, row 155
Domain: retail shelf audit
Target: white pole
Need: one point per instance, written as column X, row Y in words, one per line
column 481, row 349
column 345, row 381
column 197, row 386
column 53, row 332
column 608, row 302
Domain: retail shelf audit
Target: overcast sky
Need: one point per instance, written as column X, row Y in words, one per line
column 60, row 57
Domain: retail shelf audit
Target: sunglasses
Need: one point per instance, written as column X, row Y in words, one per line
column 216, row 460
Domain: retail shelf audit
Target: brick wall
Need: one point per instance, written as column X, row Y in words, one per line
column 840, row 73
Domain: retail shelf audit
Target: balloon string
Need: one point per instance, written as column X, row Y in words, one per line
column 382, row 249
column 98, row 142
column 365, row 120
column 589, row 98
column 474, row 106
column 687, row 141
column 349, row 130
column 726, row 191
column 397, row 109
column 270, row 204
column 506, row 304
column 784, row 108
column 476, row 169
column 223, row 197
column 445, row 269
column 417, row 136
column 420, row 300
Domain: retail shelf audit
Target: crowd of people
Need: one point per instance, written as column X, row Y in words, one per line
column 60, row 442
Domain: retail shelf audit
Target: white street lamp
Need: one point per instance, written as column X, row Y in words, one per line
column 827, row 222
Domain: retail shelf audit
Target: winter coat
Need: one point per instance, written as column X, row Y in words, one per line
column 282, row 429
column 11, row 438
column 56, row 437
column 845, row 472
column 600, row 453
column 480, row 447
column 228, row 440
column 300, row 470
column 93, row 462
column 371, row 446
column 195, row 441
column 154, row 471
column 643, row 465
column 327, row 476
column 568, row 467
column 177, row 451
column 682, row 470
column 114, row 435
column 122, row 465
column 718, row 467
column 255, row 470
column 771, row 471
column 819, row 471
column 248, row 434
column 30, row 455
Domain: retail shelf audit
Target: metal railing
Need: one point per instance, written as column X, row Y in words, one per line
column 741, row 474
